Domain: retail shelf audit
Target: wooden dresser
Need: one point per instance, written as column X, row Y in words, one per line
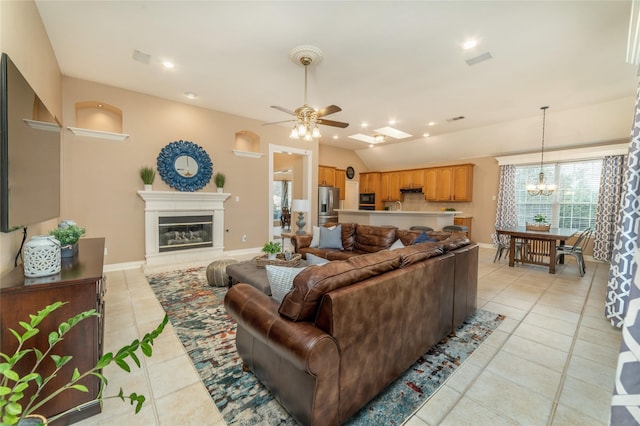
column 80, row 283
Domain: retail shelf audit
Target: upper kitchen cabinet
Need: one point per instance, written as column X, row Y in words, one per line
column 412, row 178
column 390, row 186
column 370, row 183
column 326, row 176
column 451, row 183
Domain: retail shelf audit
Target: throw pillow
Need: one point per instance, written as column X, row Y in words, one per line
column 281, row 280
column 424, row 237
column 312, row 259
column 315, row 240
column 331, row 238
column 398, row 244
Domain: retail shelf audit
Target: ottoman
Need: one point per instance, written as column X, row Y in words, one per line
column 248, row 272
column 217, row 272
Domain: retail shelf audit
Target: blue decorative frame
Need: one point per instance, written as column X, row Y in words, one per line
column 169, row 174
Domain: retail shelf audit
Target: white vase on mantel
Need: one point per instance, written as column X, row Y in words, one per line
column 148, row 187
column 220, row 190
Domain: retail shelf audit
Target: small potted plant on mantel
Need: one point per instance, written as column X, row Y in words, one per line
column 12, row 385
column 219, row 179
column 148, row 175
column 272, row 248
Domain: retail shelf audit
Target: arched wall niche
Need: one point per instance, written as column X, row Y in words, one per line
column 247, row 141
column 96, row 115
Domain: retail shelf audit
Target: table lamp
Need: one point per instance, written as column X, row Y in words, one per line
column 300, row 206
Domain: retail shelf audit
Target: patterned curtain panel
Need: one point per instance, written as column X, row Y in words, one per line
column 506, row 214
column 285, row 194
column 626, row 241
column 625, row 404
column 609, row 199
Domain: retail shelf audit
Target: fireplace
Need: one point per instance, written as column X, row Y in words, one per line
column 183, row 227
column 184, row 232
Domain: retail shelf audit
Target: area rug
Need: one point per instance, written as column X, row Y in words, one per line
column 207, row 332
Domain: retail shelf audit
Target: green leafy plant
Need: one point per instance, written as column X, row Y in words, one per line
column 219, row 179
column 540, row 218
column 67, row 235
column 272, row 247
column 12, row 385
column 147, row 174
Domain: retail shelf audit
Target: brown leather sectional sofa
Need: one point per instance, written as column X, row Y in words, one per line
column 349, row 328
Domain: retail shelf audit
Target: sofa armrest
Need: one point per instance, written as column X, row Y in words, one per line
column 301, row 241
column 301, row 343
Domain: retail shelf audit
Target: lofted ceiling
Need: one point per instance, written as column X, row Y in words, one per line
column 382, row 61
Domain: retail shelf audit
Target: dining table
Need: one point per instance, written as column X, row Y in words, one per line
column 536, row 245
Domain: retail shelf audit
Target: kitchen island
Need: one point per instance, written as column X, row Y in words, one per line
column 398, row 218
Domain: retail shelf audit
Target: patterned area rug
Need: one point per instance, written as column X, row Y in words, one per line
column 208, row 333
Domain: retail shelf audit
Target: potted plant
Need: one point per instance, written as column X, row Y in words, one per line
column 147, row 174
column 272, row 248
column 68, row 234
column 540, row 223
column 219, row 179
column 12, row 386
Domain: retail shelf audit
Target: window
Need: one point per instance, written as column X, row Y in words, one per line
column 572, row 205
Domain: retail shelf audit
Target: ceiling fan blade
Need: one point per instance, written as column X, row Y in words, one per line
column 331, row 109
column 332, row 123
column 279, row 108
column 278, row 122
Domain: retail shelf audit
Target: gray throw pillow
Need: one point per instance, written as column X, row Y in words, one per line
column 331, row 238
column 281, row 280
column 312, row 259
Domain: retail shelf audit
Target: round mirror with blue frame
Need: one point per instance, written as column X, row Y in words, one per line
column 185, row 166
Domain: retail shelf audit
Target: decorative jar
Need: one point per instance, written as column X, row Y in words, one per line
column 41, row 256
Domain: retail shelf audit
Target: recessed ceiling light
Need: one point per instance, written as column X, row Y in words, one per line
column 432, row 123
column 426, row 135
column 371, row 146
column 168, row 64
column 470, row 44
column 190, row 95
column 392, row 122
column 365, row 124
column 335, row 136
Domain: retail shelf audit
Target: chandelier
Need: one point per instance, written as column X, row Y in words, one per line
column 541, row 188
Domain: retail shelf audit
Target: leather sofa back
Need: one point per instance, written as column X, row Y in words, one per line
column 371, row 239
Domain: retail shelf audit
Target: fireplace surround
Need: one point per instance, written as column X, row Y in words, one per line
column 183, row 227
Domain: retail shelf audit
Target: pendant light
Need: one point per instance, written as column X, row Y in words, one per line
column 541, row 188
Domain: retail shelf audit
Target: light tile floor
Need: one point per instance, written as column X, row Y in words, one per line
column 551, row 362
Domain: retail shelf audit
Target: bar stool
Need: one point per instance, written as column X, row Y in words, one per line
column 421, row 228
column 457, row 228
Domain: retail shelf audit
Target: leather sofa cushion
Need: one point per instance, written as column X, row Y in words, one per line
column 371, row 239
column 419, row 252
column 456, row 240
column 301, row 303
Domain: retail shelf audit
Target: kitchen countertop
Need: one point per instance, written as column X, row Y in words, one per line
column 403, row 219
column 414, row 212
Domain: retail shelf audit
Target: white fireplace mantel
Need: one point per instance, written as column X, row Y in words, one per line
column 171, row 203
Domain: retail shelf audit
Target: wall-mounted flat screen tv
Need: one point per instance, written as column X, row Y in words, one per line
column 29, row 153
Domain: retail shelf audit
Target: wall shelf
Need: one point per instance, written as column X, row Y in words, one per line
column 248, row 154
column 42, row 125
column 98, row 134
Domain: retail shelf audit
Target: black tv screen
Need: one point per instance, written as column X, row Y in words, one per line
column 29, row 153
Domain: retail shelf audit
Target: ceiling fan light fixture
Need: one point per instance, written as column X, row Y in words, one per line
column 316, row 132
column 294, row 133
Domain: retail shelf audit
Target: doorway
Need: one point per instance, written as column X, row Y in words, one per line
column 299, row 162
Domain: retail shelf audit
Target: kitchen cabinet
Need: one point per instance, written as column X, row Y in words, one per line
column 81, row 284
column 370, row 183
column 390, row 186
column 326, row 176
column 341, row 179
column 451, row 183
column 412, row 178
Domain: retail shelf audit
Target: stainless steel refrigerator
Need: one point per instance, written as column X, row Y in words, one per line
column 328, row 202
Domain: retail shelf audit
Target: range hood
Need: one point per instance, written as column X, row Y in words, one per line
column 416, row 190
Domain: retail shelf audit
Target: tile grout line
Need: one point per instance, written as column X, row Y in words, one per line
column 563, row 376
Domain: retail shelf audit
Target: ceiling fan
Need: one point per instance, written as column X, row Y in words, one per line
column 307, row 118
